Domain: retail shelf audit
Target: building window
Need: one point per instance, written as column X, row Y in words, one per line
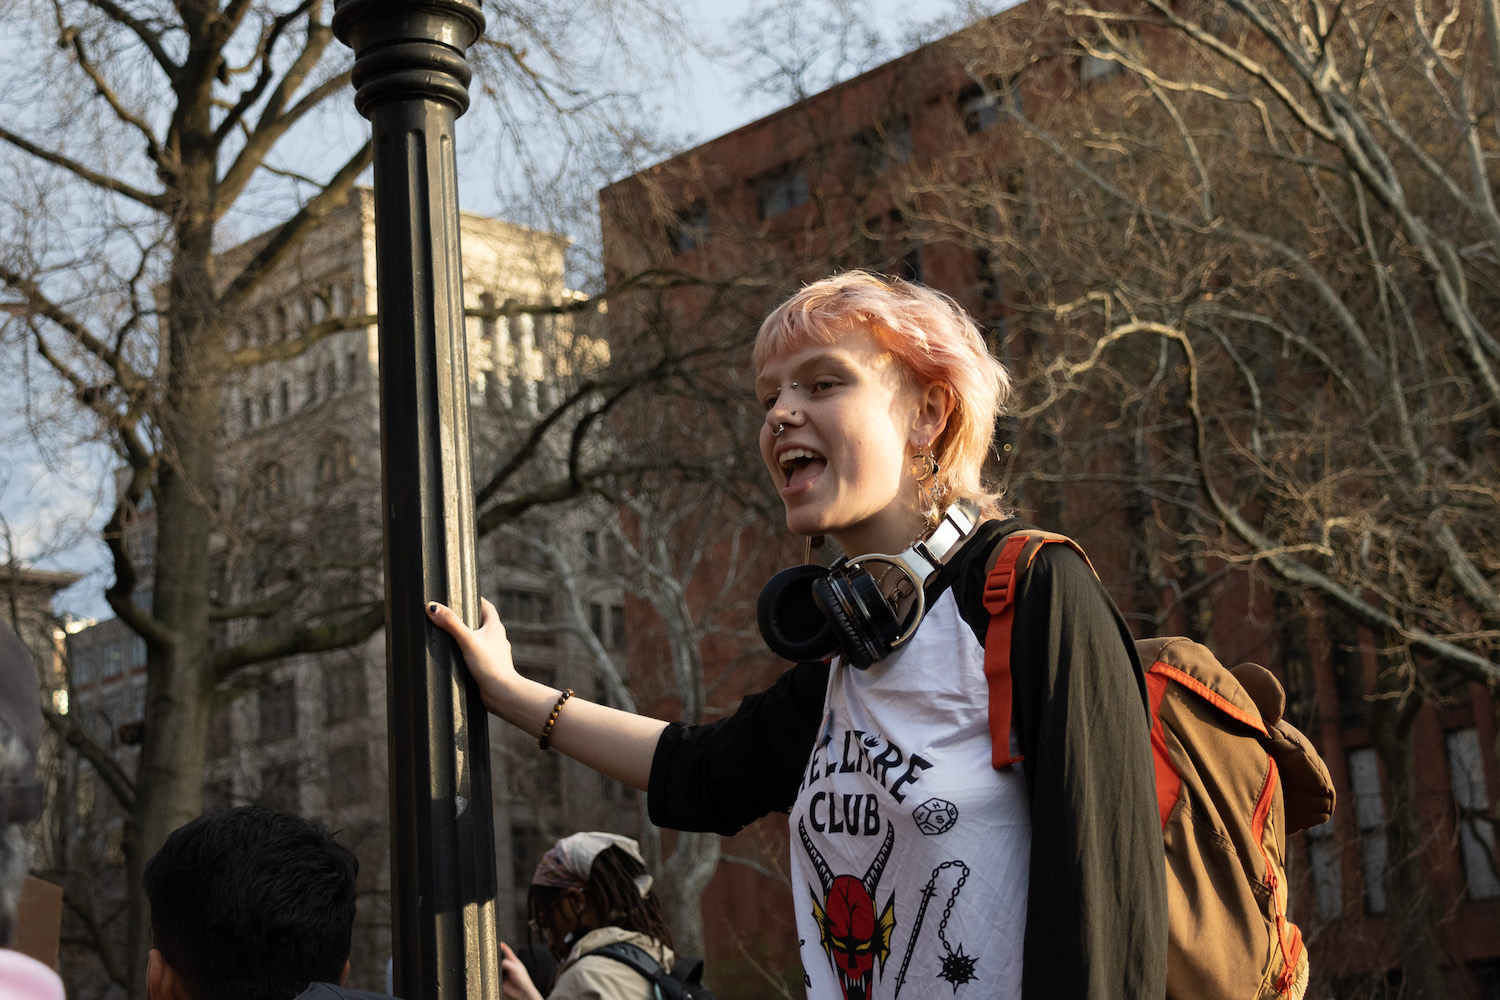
column 984, row 105
column 270, row 485
column 1092, row 68
column 265, row 408
column 278, row 788
column 220, row 734
column 336, row 462
column 331, row 376
column 689, row 229
column 80, row 665
column 283, row 398
column 524, row 606
column 909, row 266
column 349, row 775
column 353, row 365
column 114, row 661
column 1369, row 815
column 114, row 714
column 879, row 148
column 342, row 537
column 1476, row 825
column 1327, row 875
column 247, row 413
column 616, row 627
column 781, row 191
column 596, row 621
column 345, row 694
column 278, row 710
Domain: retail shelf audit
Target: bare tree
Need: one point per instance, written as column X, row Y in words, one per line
column 1249, row 256
column 147, row 140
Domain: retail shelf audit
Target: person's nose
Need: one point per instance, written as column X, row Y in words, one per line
column 783, row 412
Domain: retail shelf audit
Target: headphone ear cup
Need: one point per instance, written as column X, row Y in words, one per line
column 862, row 622
column 789, row 617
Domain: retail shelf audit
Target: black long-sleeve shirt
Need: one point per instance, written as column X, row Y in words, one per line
column 1096, row 924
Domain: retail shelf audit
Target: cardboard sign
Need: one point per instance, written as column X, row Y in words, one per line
column 39, row 921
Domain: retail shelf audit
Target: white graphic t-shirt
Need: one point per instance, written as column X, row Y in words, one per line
column 909, row 850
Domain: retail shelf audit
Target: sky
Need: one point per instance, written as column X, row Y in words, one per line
column 693, row 88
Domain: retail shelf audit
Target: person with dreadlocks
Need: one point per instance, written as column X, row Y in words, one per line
column 590, row 891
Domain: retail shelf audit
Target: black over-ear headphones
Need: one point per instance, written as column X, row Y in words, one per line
column 810, row 613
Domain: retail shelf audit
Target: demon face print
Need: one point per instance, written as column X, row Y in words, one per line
column 852, row 934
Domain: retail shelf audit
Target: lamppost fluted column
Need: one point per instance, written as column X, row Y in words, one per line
column 411, row 81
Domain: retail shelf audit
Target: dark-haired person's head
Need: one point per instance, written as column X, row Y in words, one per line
column 249, row 904
column 592, row 880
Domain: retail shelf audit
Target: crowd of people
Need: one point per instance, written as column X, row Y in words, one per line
column 1044, row 874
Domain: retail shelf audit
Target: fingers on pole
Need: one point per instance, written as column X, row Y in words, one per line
column 443, row 617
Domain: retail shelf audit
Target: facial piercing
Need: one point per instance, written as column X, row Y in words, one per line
column 777, row 432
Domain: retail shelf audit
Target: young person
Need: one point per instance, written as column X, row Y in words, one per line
column 250, row 904
column 591, row 890
column 917, row 866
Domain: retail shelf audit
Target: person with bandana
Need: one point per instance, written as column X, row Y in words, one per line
column 591, row 890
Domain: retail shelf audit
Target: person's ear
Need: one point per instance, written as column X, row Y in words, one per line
column 162, row 981
column 344, row 976
column 933, row 407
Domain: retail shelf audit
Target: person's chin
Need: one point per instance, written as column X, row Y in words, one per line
column 804, row 519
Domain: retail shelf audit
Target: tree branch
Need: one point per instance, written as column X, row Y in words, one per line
column 264, row 51
column 302, row 638
column 114, row 777
column 155, row 202
column 149, row 38
column 287, row 236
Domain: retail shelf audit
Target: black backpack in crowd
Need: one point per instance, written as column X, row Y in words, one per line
column 684, row 982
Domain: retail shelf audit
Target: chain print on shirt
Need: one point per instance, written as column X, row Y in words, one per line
column 958, row 968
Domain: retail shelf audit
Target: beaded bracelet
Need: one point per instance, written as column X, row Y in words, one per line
column 546, row 739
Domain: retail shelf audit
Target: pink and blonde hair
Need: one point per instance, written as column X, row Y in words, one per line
column 934, row 340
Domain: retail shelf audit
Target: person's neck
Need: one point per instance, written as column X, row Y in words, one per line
column 887, row 535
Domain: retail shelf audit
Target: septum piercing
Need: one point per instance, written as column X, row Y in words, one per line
column 777, row 432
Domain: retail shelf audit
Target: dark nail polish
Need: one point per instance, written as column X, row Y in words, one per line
column 432, row 608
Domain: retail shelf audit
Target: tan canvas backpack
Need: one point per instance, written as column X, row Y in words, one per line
column 1233, row 779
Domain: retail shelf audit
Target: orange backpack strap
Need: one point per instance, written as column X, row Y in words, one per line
column 1012, row 558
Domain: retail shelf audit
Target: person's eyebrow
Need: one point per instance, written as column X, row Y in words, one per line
column 801, row 370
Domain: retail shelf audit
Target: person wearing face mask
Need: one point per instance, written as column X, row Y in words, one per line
column 591, row 891
column 926, row 860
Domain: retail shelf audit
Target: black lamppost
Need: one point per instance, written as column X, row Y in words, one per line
column 411, row 80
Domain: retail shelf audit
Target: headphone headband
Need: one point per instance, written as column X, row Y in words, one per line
column 807, row 612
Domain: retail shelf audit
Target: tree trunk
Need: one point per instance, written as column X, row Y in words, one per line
column 180, row 687
column 686, row 875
